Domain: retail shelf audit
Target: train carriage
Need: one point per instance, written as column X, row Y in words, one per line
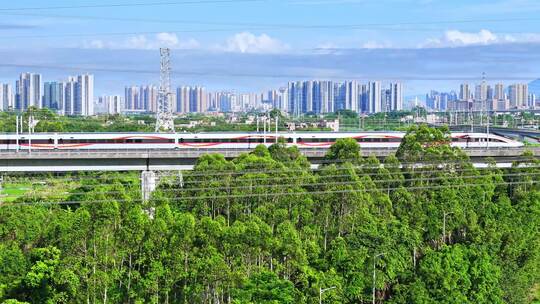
column 304, row 140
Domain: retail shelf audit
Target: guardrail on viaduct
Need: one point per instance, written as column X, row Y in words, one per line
column 141, row 160
column 228, row 153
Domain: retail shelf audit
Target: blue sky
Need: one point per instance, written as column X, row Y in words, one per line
column 255, row 45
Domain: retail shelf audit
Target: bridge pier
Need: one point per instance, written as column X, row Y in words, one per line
column 148, row 184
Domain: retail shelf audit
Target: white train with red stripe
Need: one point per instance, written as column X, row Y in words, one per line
column 224, row 140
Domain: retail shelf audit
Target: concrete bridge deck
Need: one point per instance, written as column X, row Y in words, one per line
column 126, row 160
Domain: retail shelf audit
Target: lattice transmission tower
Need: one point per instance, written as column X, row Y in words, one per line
column 164, row 117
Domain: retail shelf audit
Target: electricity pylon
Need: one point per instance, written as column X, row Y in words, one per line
column 164, row 117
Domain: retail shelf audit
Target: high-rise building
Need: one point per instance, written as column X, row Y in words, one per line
column 498, row 92
column 465, row 92
column 183, row 99
column 351, row 96
column 111, row 105
column 28, row 91
column 192, row 100
column 283, row 99
column 52, row 95
column 531, row 101
column 481, row 92
column 148, row 98
column 141, row 98
column 326, row 95
column 70, row 96
column 374, row 97
column 224, row 102
column 307, row 100
column 296, row 97
column 201, row 98
column 518, row 95
column 6, row 97
column 340, row 96
column 131, row 97
column 84, row 95
column 396, row 96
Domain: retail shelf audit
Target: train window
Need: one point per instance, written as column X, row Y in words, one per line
column 289, row 140
column 157, row 141
column 40, row 141
column 134, row 141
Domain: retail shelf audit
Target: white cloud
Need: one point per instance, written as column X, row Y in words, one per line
column 247, row 42
column 461, row 38
column 455, row 38
column 145, row 42
column 376, row 45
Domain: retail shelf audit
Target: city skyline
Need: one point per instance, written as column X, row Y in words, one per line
column 75, row 95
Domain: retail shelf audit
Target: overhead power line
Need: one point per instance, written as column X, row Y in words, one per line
column 219, row 174
column 113, row 5
column 255, row 75
column 274, row 194
column 238, row 28
column 269, row 187
column 275, row 25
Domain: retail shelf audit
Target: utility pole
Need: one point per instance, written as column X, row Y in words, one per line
column 164, row 117
column 375, row 274
column 17, row 132
column 29, row 133
column 277, row 119
column 257, row 123
column 487, row 129
column 264, row 129
column 321, row 291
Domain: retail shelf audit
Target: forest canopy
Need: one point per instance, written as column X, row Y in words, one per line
column 267, row 228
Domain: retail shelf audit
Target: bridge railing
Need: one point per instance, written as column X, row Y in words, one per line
column 227, row 152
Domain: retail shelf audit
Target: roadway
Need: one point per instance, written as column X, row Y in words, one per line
column 163, row 160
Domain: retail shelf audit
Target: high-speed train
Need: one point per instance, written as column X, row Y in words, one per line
column 304, row 140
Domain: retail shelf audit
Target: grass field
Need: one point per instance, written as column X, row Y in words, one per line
column 10, row 192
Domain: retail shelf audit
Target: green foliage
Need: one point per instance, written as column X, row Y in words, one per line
column 344, row 149
column 265, row 288
column 266, row 228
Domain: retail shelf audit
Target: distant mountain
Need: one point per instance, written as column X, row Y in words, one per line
column 534, row 87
